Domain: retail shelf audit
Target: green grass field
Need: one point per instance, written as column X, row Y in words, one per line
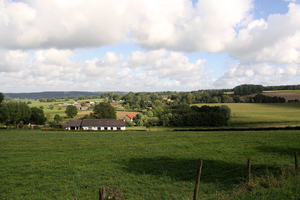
column 58, row 109
column 242, row 114
column 146, row 165
column 262, row 113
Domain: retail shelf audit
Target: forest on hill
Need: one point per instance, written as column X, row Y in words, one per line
column 204, row 96
column 54, row 94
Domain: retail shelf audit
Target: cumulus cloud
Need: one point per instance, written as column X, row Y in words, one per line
column 171, row 24
column 51, row 68
column 275, row 40
column 38, row 39
column 13, row 61
column 262, row 73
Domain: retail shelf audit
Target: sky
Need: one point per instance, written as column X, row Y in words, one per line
column 147, row 45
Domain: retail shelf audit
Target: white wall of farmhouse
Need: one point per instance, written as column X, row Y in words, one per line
column 96, row 124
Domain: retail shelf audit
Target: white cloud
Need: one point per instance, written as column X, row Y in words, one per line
column 13, row 61
column 263, row 73
column 171, row 24
column 50, row 68
column 275, row 40
column 266, row 50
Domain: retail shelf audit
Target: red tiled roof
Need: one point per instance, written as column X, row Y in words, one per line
column 131, row 115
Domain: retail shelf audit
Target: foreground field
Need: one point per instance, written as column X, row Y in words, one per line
column 143, row 165
column 262, row 113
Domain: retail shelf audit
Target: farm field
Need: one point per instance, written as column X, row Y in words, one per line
column 61, row 110
column 146, row 165
column 264, row 113
column 287, row 94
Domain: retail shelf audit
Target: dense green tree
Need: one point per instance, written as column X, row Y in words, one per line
column 29, row 102
column 51, row 107
column 226, row 111
column 129, row 123
column 148, row 124
column 139, row 119
column 104, row 110
column 23, row 113
column 14, row 112
column 190, row 98
column 157, row 103
column 42, row 100
column 1, row 97
column 7, row 110
column 258, row 98
column 226, row 99
column 71, row 111
column 37, row 116
column 58, row 118
column 236, row 99
column 142, row 104
column 148, row 113
column 247, row 89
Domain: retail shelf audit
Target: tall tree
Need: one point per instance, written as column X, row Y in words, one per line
column 22, row 113
column 1, row 97
column 37, row 116
column 57, row 118
column 71, row 111
column 104, row 110
column 14, row 112
column 7, row 112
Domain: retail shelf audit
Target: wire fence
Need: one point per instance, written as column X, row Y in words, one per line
column 103, row 191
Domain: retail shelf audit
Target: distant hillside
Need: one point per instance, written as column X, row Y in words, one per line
column 38, row 95
column 288, row 95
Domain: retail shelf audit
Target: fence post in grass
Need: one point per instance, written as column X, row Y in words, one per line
column 249, row 169
column 296, row 161
column 200, row 162
column 102, row 193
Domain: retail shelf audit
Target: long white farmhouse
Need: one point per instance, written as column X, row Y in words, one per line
column 96, row 124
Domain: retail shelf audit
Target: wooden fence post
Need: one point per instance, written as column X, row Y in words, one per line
column 296, row 161
column 200, row 162
column 102, row 193
column 249, row 169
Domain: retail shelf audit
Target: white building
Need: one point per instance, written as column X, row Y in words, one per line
column 96, row 124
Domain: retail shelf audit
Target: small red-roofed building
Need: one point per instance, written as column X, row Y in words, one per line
column 130, row 117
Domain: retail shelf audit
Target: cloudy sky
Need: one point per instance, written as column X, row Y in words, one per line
column 147, row 45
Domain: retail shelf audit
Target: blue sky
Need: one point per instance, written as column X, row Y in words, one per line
column 147, row 45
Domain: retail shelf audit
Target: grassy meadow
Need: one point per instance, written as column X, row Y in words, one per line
column 242, row 114
column 57, row 108
column 147, row 165
column 262, row 113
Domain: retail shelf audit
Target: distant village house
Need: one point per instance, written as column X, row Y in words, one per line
column 96, row 124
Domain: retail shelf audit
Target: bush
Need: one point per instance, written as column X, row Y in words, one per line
column 129, row 123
